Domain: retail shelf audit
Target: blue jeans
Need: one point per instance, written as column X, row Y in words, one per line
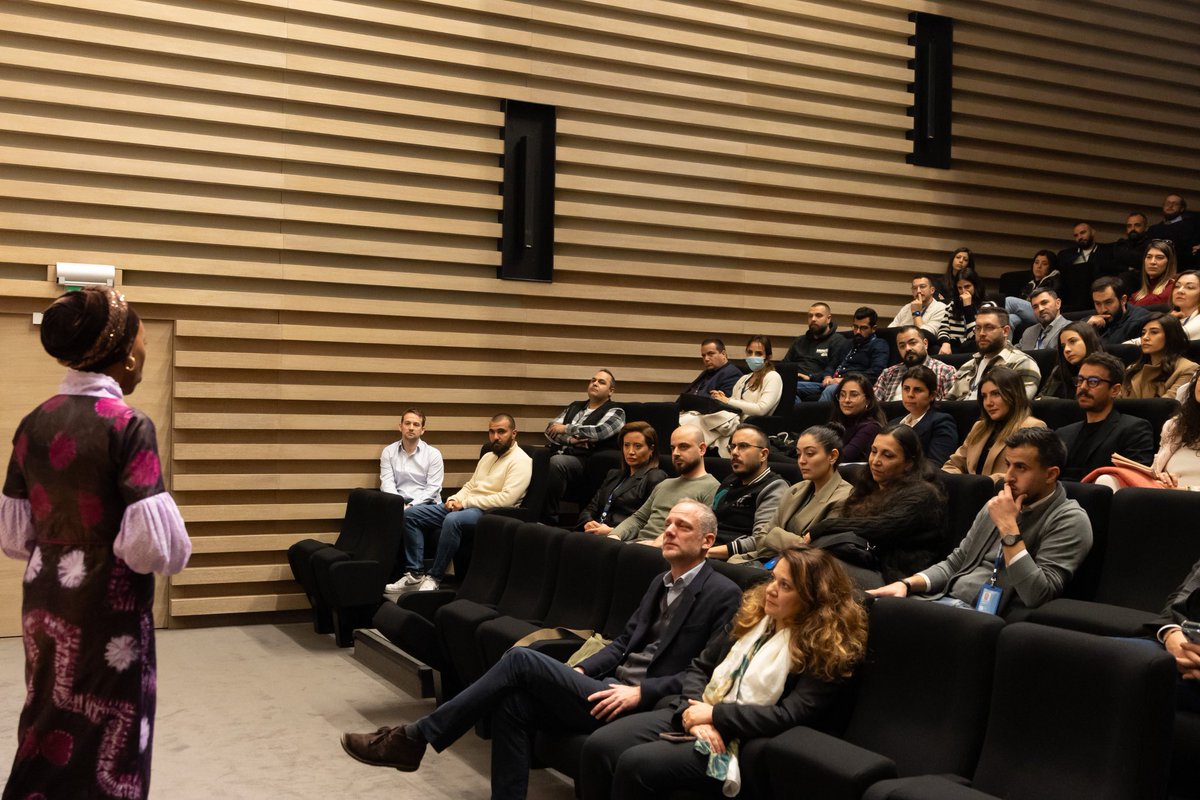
column 524, row 691
column 1022, row 310
column 431, row 517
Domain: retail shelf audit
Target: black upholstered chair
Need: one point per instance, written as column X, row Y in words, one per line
column 1097, row 503
column 528, row 590
column 921, row 706
column 408, row 623
column 1151, row 545
column 583, row 584
column 1073, row 717
column 965, row 496
column 344, row 581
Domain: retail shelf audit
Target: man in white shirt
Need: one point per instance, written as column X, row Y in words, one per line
column 926, row 312
column 410, row 467
column 500, row 480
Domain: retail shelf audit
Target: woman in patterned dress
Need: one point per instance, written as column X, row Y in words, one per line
column 84, row 505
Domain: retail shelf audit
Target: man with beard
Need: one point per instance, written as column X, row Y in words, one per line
column 1081, row 264
column 1127, row 253
column 1179, row 227
column 992, row 332
column 1047, row 308
column 500, row 480
column 819, row 347
column 1104, row 431
column 868, row 354
column 694, row 483
column 1115, row 320
column 914, row 351
column 747, row 499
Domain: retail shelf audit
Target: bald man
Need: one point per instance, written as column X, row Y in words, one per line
column 694, row 483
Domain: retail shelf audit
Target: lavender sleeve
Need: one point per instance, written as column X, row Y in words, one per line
column 153, row 537
column 16, row 527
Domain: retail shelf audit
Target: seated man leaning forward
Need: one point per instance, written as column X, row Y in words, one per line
column 500, row 480
column 1024, row 545
column 683, row 611
column 694, row 483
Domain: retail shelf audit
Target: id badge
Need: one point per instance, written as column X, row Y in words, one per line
column 989, row 599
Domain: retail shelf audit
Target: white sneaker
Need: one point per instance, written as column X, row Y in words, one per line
column 428, row 584
column 407, row 582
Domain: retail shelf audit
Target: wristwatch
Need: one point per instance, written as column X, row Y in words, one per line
column 1010, row 539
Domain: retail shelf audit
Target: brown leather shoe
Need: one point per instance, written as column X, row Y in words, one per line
column 386, row 747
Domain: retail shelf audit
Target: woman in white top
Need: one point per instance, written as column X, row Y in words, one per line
column 1177, row 465
column 755, row 394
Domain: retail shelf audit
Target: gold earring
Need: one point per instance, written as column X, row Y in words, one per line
column 130, row 364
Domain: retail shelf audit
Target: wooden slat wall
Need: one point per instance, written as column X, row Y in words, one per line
column 309, row 189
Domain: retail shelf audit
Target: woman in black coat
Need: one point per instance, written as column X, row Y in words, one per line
column 936, row 429
column 625, row 489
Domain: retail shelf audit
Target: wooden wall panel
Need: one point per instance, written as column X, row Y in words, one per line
column 308, row 190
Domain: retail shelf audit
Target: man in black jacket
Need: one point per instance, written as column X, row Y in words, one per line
column 1104, row 431
column 683, row 611
column 1115, row 319
column 820, row 346
column 867, row 354
column 1183, row 605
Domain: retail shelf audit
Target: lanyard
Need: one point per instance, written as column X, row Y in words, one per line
column 996, row 566
column 608, row 503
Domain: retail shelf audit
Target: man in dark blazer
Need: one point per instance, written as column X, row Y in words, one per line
column 1104, row 431
column 1183, row 605
column 682, row 611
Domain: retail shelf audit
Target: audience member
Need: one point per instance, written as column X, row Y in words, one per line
column 1080, row 264
column 1158, row 274
column 683, row 610
column 500, row 479
column 962, row 258
column 755, row 394
column 992, row 335
column 1127, row 252
column 1023, row 546
column 1076, row 342
column 1043, row 274
column 718, row 373
column 1003, row 409
column 821, row 492
column 914, row 351
column 1177, row 464
column 1183, row 605
column 858, row 412
column 746, row 500
column 625, row 488
column 936, row 429
column 1161, row 369
column 1047, row 310
column 1186, row 302
column 794, row 643
column 1178, row 226
column 820, row 347
column 1104, row 431
column 410, row 467
column 1115, row 319
column 958, row 329
column 694, row 483
column 582, row 428
column 868, row 354
column 895, row 516
column 925, row 311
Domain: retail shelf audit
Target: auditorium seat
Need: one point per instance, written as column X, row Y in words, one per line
column 528, row 589
column 965, row 496
column 965, row 413
column 920, row 706
column 346, row 579
column 1073, row 717
column 1151, row 545
column 1097, row 504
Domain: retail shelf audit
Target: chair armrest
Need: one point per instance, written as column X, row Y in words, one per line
column 558, row 649
column 356, row 583
column 425, row 604
column 827, row 767
column 1098, row 618
column 926, row 787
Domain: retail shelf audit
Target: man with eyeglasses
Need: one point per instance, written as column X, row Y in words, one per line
column 748, row 498
column 868, row 354
column 1104, row 430
column 992, row 339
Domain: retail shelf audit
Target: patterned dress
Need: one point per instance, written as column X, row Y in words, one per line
column 85, row 470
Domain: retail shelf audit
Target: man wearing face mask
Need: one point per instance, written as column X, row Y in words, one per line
column 1115, row 319
column 992, row 332
column 868, row 354
column 914, row 351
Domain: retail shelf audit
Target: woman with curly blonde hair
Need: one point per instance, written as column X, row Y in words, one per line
column 793, row 643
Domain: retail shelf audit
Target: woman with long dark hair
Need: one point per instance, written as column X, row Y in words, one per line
column 1158, row 274
column 1161, row 369
column 794, row 642
column 1076, row 342
column 84, row 505
column 958, row 331
column 1177, row 464
column 1003, row 408
column 1043, row 274
column 962, row 258
column 625, row 488
column 858, row 412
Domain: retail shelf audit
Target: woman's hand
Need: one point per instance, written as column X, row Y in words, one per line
column 711, row 735
column 1169, row 480
column 717, row 394
column 945, row 349
column 966, row 299
column 696, row 713
column 598, row 528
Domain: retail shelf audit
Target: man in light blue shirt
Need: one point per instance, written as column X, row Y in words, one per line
column 410, row 467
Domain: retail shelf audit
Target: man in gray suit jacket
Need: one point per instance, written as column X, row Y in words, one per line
column 1024, row 545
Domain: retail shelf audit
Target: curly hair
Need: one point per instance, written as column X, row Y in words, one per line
column 829, row 631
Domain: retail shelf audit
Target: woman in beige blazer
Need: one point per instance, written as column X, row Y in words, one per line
column 1161, row 368
column 1003, row 408
column 822, row 492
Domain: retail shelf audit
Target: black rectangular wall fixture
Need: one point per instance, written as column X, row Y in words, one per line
column 527, row 219
column 932, row 87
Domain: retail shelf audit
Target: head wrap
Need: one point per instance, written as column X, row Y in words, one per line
column 91, row 329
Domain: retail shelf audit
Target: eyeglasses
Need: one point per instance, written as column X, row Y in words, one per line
column 741, row 446
column 1092, row 381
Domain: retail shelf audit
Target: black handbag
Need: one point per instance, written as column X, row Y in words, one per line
column 850, row 548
